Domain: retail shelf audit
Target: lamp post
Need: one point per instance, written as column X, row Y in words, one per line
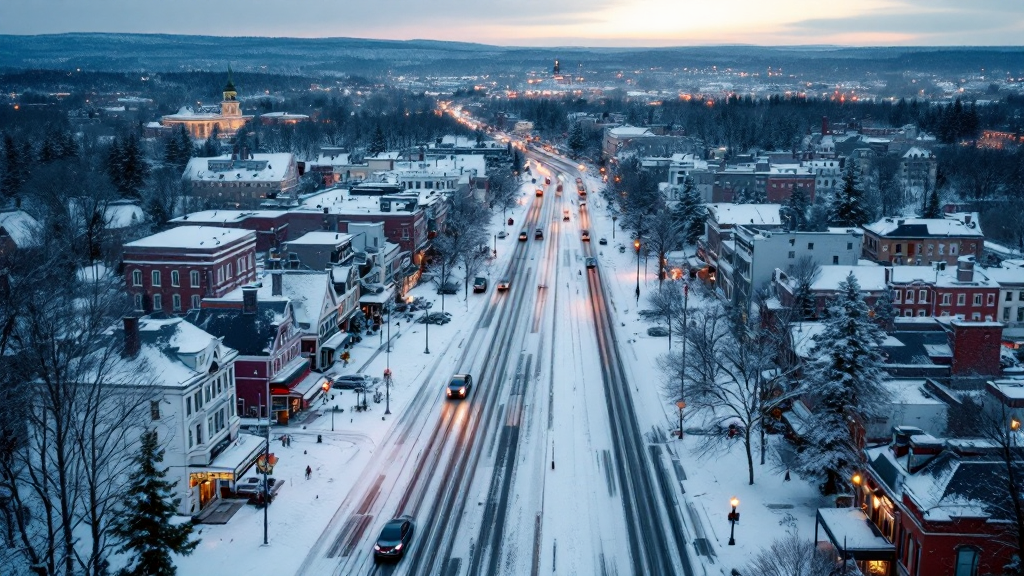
column 734, row 517
column 387, row 390
column 681, row 404
column 636, row 245
column 334, row 410
column 614, row 218
column 857, row 480
column 495, row 245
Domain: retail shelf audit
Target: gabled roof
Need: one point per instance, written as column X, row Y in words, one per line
column 20, row 227
column 169, row 352
column 250, row 334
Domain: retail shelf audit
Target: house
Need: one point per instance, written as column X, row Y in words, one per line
column 921, row 241
column 268, row 342
column 721, row 220
column 917, row 171
column 17, row 232
column 230, row 181
column 318, row 250
column 193, row 409
column 1010, row 277
column 934, row 507
column 825, row 285
column 966, row 293
column 175, row 269
column 759, row 251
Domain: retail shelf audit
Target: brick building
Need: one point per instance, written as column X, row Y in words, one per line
column 246, row 182
column 965, row 293
column 270, row 226
column 920, row 241
column 172, row 271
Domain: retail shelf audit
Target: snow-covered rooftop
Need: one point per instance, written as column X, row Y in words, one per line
column 20, row 227
column 261, row 167
column 193, row 237
column 629, row 132
column 746, row 213
column 321, row 238
column 957, row 225
column 225, row 216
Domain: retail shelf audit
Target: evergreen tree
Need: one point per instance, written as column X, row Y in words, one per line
column 848, row 206
column 884, row 311
column 798, row 206
column 931, row 207
column 690, row 213
column 134, row 168
column 15, row 167
column 211, row 147
column 115, row 162
column 144, row 525
column 577, row 141
column 378, row 144
column 846, row 380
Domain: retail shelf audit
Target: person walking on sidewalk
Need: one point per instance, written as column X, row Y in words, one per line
column 309, row 472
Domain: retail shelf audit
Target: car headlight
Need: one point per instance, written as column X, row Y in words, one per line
column 449, row 392
column 462, row 390
column 399, row 547
column 376, row 547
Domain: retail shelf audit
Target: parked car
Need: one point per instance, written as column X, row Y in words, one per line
column 559, row 188
column 538, row 234
column 394, row 539
column 479, row 284
column 252, row 490
column 591, row 262
column 459, row 386
column 503, row 284
column 586, row 235
column 351, row 381
column 502, row 234
column 603, row 241
column 449, row 288
column 523, row 237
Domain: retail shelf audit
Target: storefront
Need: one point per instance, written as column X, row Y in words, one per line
column 283, row 403
column 307, row 391
column 329, row 349
column 852, row 536
column 208, row 483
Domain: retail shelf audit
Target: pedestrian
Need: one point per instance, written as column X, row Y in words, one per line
column 344, row 357
column 309, row 472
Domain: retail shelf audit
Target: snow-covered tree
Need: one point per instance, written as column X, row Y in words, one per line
column 144, row 526
column 663, row 236
column 884, row 310
column 379, row 143
column 846, row 381
column 848, row 206
column 797, row 207
column 690, row 213
column 577, row 141
column 932, row 209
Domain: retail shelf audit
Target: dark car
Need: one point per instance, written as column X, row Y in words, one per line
column 523, row 237
column 591, row 262
column 479, row 284
column 547, row 180
column 603, row 241
column 351, row 381
column 394, row 538
column 459, row 386
column 538, row 234
column 540, row 192
column 449, row 288
column 586, row 235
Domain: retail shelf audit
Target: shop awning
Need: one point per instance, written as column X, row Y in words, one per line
column 236, row 458
column 291, row 372
column 381, row 298
column 309, row 388
column 337, row 341
column 853, row 534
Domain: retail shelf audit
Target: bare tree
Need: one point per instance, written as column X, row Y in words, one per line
column 791, row 556
column 663, row 236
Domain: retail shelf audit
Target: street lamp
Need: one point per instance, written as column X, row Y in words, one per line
column 636, row 245
column 614, row 218
column 495, row 245
column 681, row 404
column 426, row 323
column 387, row 390
column 734, row 517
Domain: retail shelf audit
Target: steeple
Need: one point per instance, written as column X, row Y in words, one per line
column 229, row 88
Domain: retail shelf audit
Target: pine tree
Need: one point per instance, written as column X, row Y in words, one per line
column 134, row 167
column 931, row 207
column 15, row 168
column 577, row 141
column 689, row 213
column 884, row 311
column 798, row 205
column 144, row 525
column 378, row 144
column 211, row 147
column 848, row 207
column 846, row 381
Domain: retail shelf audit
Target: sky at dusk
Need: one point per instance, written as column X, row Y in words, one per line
column 545, row 22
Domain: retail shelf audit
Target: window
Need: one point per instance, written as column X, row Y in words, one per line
column 792, row 241
column 229, row 270
column 1006, row 314
column 910, row 296
column 195, row 301
column 899, row 248
column 1020, row 296
column 199, row 433
column 952, row 248
column 1020, row 314
column 194, row 278
column 976, row 316
column 190, row 439
column 990, row 299
column 176, row 302
column 897, row 295
column 154, row 409
column 156, row 277
column 810, row 245
column 849, row 245
column 792, row 254
column 835, row 260
column 138, row 301
column 977, row 299
column 922, row 296
column 174, row 278
column 945, row 299
column 961, row 299
column 1009, row 296
column 137, row 277
column 922, row 313
column 908, row 312
column 158, row 303
column 188, row 406
column 942, row 249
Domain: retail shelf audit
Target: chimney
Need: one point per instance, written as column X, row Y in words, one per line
column 131, row 336
column 965, row 269
column 276, row 288
column 888, row 275
column 967, row 218
column 249, row 299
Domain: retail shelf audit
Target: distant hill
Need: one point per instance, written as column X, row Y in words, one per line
column 337, row 56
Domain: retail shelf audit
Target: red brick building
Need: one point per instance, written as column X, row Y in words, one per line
column 965, row 293
column 172, row 271
column 270, row 226
column 921, row 241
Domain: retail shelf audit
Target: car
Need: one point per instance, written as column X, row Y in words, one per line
column 251, row 489
column 479, row 284
column 565, row 215
column 459, row 386
column 394, row 538
column 591, row 262
column 603, row 241
column 523, row 236
column 503, row 284
column 559, row 189
column 449, row 288
column 502, row 234
column 351, row 381
column 586, row 235
column 547, row 180
column 538, row 234
column 540, row 192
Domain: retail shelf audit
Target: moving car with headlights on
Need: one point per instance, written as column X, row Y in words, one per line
column 522, row 236
column 459, row 386
column 394, row 539
column 503, row 284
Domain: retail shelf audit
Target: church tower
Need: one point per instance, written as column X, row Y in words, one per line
column 229, row 106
